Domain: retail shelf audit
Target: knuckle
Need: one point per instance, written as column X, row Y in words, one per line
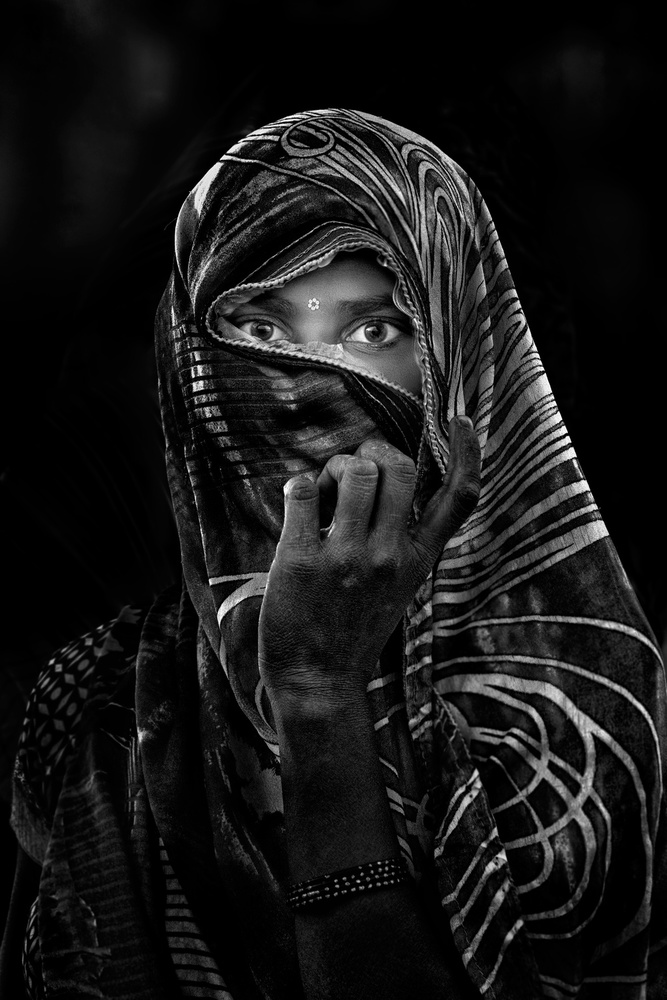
column 403, row 468
column 347, row 572
column 361, row 473
column 422, row 547
column 336, row 464
column 386, row 561
column 373, row 448
column 293, row 554
column 345, row 557
column 385, row 454
column 361, row 465
column 349, row 579
column 466, row 497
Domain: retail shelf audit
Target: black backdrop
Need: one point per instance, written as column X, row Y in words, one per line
column 559, row 117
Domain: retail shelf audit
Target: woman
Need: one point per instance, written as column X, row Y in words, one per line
column 400, row 732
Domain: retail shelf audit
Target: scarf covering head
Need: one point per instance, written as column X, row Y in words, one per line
column 530, row 792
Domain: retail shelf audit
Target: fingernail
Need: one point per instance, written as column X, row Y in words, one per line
column 294, row 482
column 464, row 420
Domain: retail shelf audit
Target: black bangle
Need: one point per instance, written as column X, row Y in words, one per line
column 361, row 878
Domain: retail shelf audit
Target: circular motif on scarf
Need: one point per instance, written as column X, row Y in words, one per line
column 303, row 139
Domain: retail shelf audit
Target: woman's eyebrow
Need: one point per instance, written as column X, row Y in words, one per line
column 369, row 303
column 348, row 308
column 268, row 300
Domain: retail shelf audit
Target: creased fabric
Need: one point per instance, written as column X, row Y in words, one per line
column 526, row 630
column 520, row 714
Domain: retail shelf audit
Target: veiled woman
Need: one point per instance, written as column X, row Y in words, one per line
column 400, row 732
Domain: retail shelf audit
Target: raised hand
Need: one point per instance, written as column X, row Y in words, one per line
column 333, row 598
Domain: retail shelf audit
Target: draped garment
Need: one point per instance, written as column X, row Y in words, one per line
column 520, row 725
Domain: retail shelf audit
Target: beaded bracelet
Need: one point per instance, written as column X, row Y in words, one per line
column 361, row 878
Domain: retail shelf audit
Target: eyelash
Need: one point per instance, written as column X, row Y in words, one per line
column 403, row 327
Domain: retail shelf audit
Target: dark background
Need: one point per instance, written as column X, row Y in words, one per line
column 558, row 115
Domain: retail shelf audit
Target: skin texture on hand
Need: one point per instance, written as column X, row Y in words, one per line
column 333, row 598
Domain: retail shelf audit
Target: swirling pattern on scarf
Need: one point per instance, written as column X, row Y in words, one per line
column 528, row 794
column 527, row 631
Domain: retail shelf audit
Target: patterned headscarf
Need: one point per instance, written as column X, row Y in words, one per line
column 528, row 797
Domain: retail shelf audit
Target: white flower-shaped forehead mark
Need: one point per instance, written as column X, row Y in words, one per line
column 313, row 303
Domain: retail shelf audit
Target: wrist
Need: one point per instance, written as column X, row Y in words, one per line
column 331, row 705
column 314, row 686
column 335, row 800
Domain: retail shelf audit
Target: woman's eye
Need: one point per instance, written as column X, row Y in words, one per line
column 260, row 329
column 376, row 331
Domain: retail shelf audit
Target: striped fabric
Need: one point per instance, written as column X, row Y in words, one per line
column 196, row 969
column 533, row 688
column 519, row 711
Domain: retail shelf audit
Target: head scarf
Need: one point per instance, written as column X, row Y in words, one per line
column 530, row 795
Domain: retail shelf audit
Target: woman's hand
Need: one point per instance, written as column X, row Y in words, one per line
column 333, row 598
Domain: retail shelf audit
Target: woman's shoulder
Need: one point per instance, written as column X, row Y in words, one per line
column 79, row 679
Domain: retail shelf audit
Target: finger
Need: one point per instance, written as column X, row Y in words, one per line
column 355, row 482
column 302, row 515
column 455, row 501
column 327, row 483
column 396, row 488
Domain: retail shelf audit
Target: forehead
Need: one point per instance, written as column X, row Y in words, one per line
column 350, row 277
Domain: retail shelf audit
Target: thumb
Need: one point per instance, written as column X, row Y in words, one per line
column 456, row 499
